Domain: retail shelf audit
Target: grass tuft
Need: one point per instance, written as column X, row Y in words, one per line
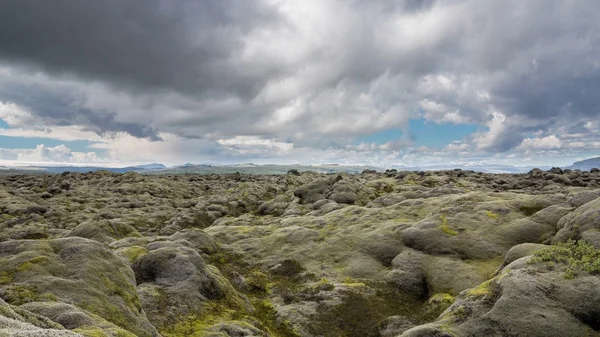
column 577, row 255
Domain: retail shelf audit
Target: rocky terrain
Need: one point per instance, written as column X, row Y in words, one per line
column 442, row 253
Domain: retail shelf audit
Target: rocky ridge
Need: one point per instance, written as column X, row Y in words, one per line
column 439, row 253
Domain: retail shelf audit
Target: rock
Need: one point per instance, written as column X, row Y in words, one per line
column 344, row 197
column 198, row 239
column 77, row 271
column 187, row 219
column 448, row 275
column 315, row 190
column 174, row 283
column 526, row 230
column 583, row 198
column 234, row 329
column 523, row 302
column 67, row 315
column 103, row 231
column 217, row 208
column 407, row 273
column 394, row 325
column 388, row 200
column 36, row 209
column 46, row 195
column 521, row 250
column 584, row 218
column 318, row 204
column 383, row 248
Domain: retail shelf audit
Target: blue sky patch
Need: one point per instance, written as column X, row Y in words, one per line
column 8, row 142
column 423, row 133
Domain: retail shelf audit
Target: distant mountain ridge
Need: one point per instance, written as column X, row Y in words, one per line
column 136, row 168
column 586, row 165
column 251, row 168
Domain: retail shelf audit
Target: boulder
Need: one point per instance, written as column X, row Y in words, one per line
column 77, row 271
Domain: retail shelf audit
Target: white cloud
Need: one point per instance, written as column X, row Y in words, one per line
column 496, row 126
column 42, row 154
column 544, row 143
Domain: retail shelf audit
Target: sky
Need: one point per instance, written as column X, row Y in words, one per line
column 379, row 82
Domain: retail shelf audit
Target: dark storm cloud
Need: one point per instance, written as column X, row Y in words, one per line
column 179, row 45
column 53, row 106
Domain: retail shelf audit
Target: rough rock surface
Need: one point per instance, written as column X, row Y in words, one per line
column 448, row 253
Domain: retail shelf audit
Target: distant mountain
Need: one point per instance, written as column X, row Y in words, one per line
column 153, row 166
column 250, row 168
column 586, row 165
column 477, row 167
column 138, row 168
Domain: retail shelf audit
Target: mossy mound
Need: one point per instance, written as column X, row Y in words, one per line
column 78, row 271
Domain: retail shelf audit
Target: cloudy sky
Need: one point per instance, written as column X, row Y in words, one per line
column 286, row 81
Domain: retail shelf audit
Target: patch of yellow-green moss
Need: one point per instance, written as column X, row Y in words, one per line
column 97, row 332
column 326, row 232
column 17, row 294
column 485, row 288
column 359, row 312
column 351, row 283
column 195, row 325
column 444, row 226
column 133, row 252
column 481, row 290
column 264, row 317
column 486, row 268
column 441, row 298
column 439, row 302
column 257, row 281
column 492, row 215
column 128, row 295
column 91, row 332
column 5, row 217
column 530, row 209
column 7, row 277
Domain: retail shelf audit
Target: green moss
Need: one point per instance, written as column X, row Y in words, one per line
column 257, row 281
column 91, row 332
column 530, row 210
column 577, row 255
column 25, row 266
column 97, row 332
column 128, row 295
column 444, row 226
column 133, row 252
column 30, row 264
column 5, row 217
column 18, row 294
column 196, row 325
column 7, row 277
column 458, row 314
column 481, row 290
column 486, row 268
column 439, row 302
column 360, row 312
column 492, row 215
column 288, row 268
column 269, row 320
column 326, row 232
column 264, row 318
column 349, row 282
column 325, row 284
